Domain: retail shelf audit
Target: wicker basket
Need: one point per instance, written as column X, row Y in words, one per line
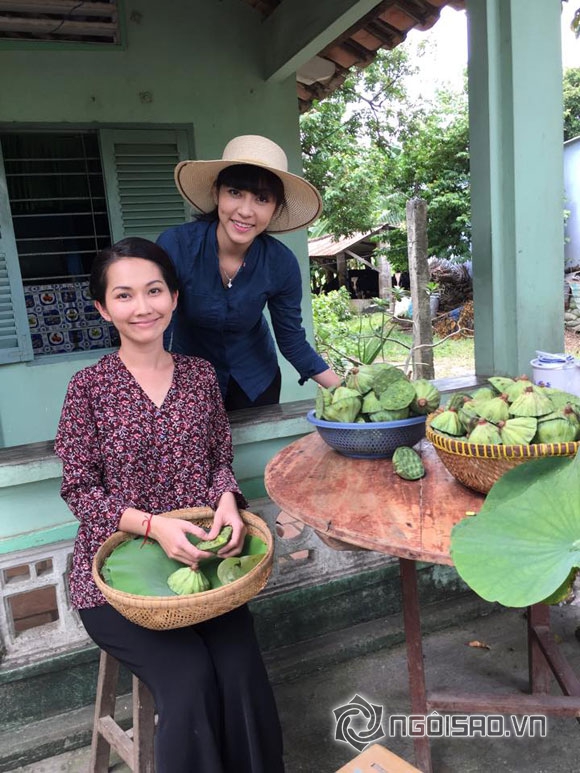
column 479, row 466
column 164, row 612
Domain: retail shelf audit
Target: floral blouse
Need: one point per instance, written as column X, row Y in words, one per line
column 120, row 450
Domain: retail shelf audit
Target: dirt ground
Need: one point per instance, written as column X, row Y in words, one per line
column 572, row 343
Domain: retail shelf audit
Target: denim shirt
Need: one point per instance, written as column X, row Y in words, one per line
column 226, row 325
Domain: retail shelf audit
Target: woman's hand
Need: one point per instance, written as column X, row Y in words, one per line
column 171, row 534
column 227, row 514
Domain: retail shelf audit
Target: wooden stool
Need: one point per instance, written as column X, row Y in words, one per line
column 377, row 759
column 136, row 752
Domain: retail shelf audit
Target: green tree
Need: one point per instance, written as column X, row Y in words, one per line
column 571, row 92
column 369, row 149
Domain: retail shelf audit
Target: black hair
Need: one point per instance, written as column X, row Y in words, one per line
column 249, row 177
column 131, row 247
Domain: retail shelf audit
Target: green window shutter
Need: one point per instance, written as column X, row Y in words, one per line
column 138, row 167
column 15, row 341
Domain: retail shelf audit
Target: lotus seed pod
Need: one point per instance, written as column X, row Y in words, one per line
column 448, row 423
column 484, row 393
column 494, row 410
column 345, row 406
column 323, row 398
column 398, row 395
column 468, row 415
column 501, row 383
column 360, row 378
column 485, row 433
column 188, row 580
column 456, row 401
column 385, row 376
column 371, row 403
column 519, row 386
column 427, row 397
column 384, row 415
column 532, row 402
column 407, row 463
column 560, row 398
column 565, row 592
column 518, row 431
column 555, row 431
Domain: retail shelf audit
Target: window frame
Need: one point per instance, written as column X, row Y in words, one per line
column 11, row 284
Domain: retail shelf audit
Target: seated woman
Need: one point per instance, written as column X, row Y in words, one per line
column 142, row 432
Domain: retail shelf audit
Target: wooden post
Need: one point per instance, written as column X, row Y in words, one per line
column 422, row 357
column 385, row 279
column 341, row 270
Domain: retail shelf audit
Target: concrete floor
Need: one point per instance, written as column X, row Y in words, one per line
column 306, row 704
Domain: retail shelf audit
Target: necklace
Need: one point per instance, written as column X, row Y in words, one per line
column 229, row 278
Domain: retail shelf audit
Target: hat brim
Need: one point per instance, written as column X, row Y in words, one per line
column 195, row 180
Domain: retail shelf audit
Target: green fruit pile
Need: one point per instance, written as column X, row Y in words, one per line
column 377, row 392
column 511, row 412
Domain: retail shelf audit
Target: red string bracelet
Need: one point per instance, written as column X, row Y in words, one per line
column 147, row 528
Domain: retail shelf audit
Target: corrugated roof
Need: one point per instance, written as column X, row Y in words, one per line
column 327, row 246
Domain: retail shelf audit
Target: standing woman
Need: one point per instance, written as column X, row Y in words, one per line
column 142, row 432
column 230, row 269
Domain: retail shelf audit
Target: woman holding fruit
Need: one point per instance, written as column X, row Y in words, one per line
column 230, row 268
column 143, row 432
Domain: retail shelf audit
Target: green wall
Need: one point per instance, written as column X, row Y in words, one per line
column 188, row 63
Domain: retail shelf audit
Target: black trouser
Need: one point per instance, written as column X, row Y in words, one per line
column 215, row 706
column 236, row 398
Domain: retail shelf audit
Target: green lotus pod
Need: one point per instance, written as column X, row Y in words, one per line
column 485, row 433
column 558, row 430
column 518, row 431
column 571, row 414
column 532, row 402
column 398, row 395
column 218, row 542
column 560, row 398
column 456, row 401
column 233, row 568
column 484, row 393
column 494, row 410
column 345, row 406
column 187, row 580
column 360, row 378
column 468, row 415
column 520, row 384
column 427, row 397
column 564, row 592
column 385, row 376
column 448, row 423
column 384, row 415
column 407, row 463
column 371, row 403
column 501, row 383
column 323, row 399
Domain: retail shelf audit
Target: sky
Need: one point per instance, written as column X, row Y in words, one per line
column 447, row 57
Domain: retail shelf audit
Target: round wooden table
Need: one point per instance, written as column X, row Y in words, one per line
column 363, row 503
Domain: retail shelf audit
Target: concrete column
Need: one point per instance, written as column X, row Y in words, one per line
column 515, row 106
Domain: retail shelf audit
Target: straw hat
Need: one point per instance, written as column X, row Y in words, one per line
column 195, row 179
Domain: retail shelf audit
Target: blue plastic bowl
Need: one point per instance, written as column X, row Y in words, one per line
column 373, row 440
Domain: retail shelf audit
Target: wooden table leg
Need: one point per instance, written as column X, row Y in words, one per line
column 417, row 689
column 539, row 668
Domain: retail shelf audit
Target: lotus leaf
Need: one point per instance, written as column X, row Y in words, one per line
column 231, row 569
column 144, row 571
column 524, row 544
